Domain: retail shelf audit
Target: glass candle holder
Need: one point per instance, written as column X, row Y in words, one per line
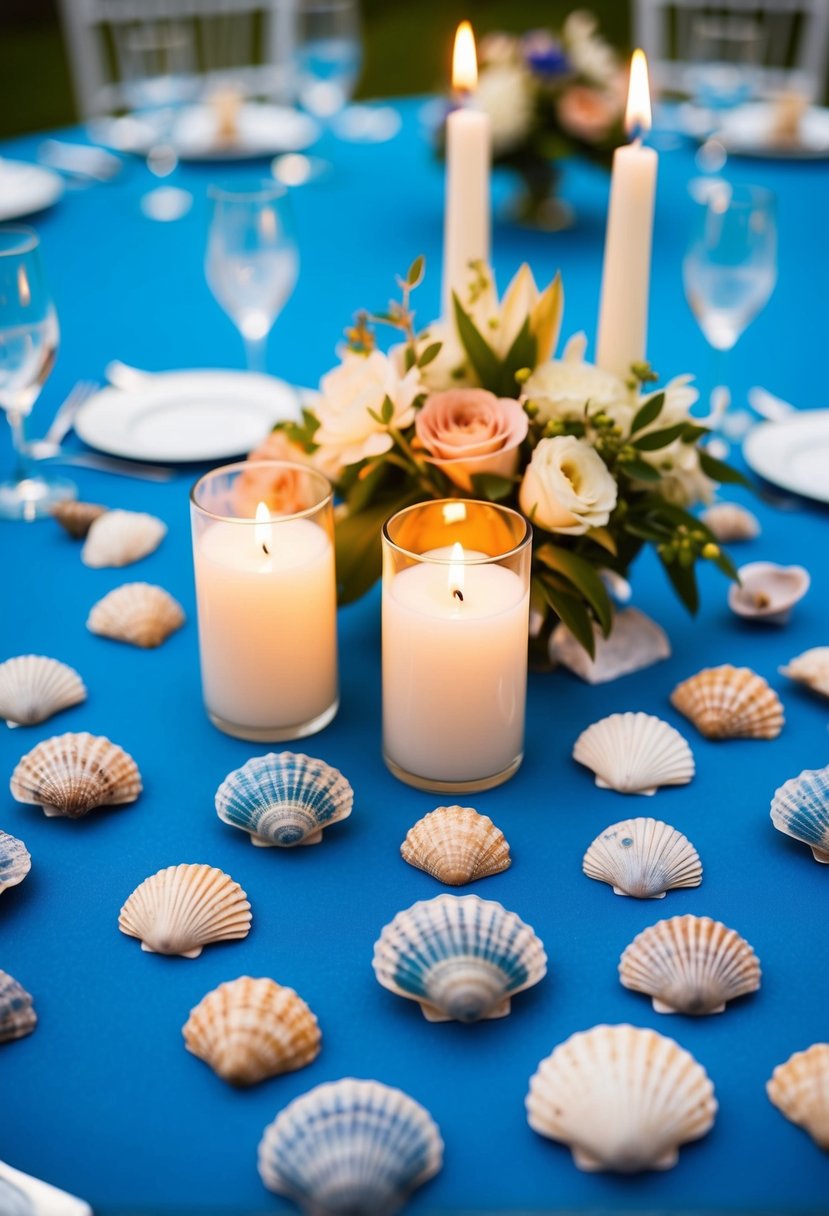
column 456, row 592
column 263, row 552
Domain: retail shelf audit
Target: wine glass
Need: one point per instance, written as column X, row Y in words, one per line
column 252, row 261
column 329, row 55
column 28, row 348
column 725, row 54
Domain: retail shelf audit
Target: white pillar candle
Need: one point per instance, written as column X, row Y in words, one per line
column 623, row 310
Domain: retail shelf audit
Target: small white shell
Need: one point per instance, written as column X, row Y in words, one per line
column 635, row 642
column 690, row 964
column 17, row 1014
column 15, row 861
column 730, row 522
column 284, row 799
column 139, row 613
column 634, row 753
column 33, row 688
column 800, row 1090
column 730, row 703
column 810, row 668
column 643, row 858
column 621, row 1098
column 77, row 517
column 248, row 1029
column 118, row 538
column 73, row 774
column 183, row 908
column 456, row 845
column 800, row 809
column 768, row 592
column 22, row 1195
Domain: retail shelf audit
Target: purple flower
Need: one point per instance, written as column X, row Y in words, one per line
column 544, row 54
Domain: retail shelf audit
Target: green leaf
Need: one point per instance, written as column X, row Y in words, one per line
column 523, row 353
column 415, row 273
column 408, row 358
column 647, row 413
column 684, row 582
column 430, row 354
column 659, row 439
column 717, row 470
column 575, row 616
column 651, row 534
column 692, row 432
column 493, row 487
column 387, row 412
column 640, row 470
column 584, row 578
column 481, row 355
column 604, row 538
column 364, row 488
column 357, row 546
column 725, row 564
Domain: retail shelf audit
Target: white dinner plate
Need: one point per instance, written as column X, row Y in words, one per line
column 262, row 130
column 25, row 189
column 186, row 416
column 746, row 131
column 793, row 453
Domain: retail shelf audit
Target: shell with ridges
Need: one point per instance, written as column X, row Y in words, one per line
column 183, row 908
column 22, row 1195
column 810, row 668
column 730, row 522
column 621, row 1098
column 690, row 964
column 74, row 773
column 643, row 858
column 800, row 1090
column 768, row 592
column 139, row 613
column 118, row 538
column 250, row 1029
column 462, row 958
column 349, row 1147
column 17, row 1014
column 456, row 845
column 284, row 799
column 800, row 809
column 15, row 861
column 77, row 517
column 634, row 753
column 730, row 703
column 33, row 688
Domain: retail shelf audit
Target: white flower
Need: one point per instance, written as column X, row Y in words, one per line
column 683, row 481
column 567, row 487
column 348, row 433
column 587, row 51
column 561, row 389
column 505, row 93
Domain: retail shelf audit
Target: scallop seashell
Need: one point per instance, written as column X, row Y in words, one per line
column 22, row 1195
column 456, row 845
column 643, row 858
column 33, row 688
column 118, row 538
column 690, row 964
column 77, row 517
column 800, row 809
column 462, row 958
column 15, row 861
column 634, row 753
column 183, row 908
column 139, row 613
column 730, row 703
column 17, row 1014
column 284, row 799
column 71, row 775
column 800, row 1090
column 810, row 668
column 350, row 1147
column 768, row 592
column 621, row 1098
column 729, row 522
column 247, row 1030
column 635, row 642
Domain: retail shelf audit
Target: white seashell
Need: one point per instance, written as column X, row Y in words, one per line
column 73, row 774
column 690, row 964
column 15, row 861
column 118, row 538
column 17, row 1014
column 247, row 1030
column 634, row 753
column 350, row 1148
column 33, row 688
column 77, row 517
column 139, row 613
column 730, row 522
column 284, row 799
column 456, row 845
column 800, row 1090
column 22, row 1195
column 183, row 908
column 621, row 1098
column 460, row 957
column 635, row 642
column 643, row 858
column 730, row 703
column 810, row 668
column 800, row 809
column 768, row 592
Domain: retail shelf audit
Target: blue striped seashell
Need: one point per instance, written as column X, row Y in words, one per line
column 461, row 958
column 15, row 862
column 284, row 799
column 17, row 1015
column 350, row 1148
column 800, row 808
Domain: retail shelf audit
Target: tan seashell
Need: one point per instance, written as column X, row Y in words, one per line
column 690, row 964
column 635, row 642
column 768, row 592
column 730, row 703
column 810, row 668
column 33, row 688
column 456, row 845
column 183, row 908
column 800, row 1090
column 634, row 753
column 643, row 858
column 248, row 1030
column 17, row 1013
column 118, row 538
column 77, row 517
column 72, row 774
column 730, row 522
column 138, row 613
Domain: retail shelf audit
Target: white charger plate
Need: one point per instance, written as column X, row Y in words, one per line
column 177, row 417
column 793, row 453
column 262, row 130
column 25, row 189
column 746, row 131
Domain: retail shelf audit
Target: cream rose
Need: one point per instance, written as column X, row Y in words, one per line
column 349, row 397
column 561, row 388
column 468, row 431
column 567, row 487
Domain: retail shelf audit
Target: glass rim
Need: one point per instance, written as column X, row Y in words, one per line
column 265, row 192
column 250, row 465
column 736, row 194
column 487, row 559
column 28, row 239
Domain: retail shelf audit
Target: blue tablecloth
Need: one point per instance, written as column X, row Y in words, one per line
column 103, row 1099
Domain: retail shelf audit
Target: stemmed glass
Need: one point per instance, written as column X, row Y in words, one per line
column 28, row 348
column 329, row 55
column 252, row 261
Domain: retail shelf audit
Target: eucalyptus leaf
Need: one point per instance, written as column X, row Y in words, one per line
column 415, row 273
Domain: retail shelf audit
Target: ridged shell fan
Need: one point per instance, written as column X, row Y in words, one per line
column 284, row 799
column 643, row 858
column 118, row 538
column 15, row 861
column 634, row 753
column 73, row 774
column 690, row 964
column 800, row 1090
column 183, row 908
column 138, row 613
column 800, row 809
column 456, row 845
column 460, row 957
column 251, row 1029
column 621, row 1098
column 730, row 703
column 810, row 668
column 350, row 1148
column 33, row 688
column 17, row 1014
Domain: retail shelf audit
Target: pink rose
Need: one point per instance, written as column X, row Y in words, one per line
column 587, row 114
column 468, row 431
column 283, row 490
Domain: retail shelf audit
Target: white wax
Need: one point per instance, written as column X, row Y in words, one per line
column 267, row 623
column 454, row 673
column 467, row 214
column 623, row 310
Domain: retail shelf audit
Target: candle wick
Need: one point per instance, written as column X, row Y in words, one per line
column 266, row 550
column 458, row 594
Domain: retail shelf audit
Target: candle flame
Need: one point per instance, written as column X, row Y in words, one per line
column 263, row 529
column 464, row 60
column 456, row 572
column 638, row 112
